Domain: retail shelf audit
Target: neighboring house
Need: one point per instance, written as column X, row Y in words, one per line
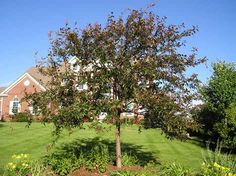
column 11, row 96
column 32, row 80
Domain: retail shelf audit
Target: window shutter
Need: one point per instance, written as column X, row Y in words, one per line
column 10, row 108
column 19, row 107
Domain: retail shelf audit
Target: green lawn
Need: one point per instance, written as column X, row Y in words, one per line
column 16, row 138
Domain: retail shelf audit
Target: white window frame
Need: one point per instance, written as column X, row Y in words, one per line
column 31, row 110
column 11, row 106
column 80, row 86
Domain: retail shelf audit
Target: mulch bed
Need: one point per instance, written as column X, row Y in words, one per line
column 110, row 168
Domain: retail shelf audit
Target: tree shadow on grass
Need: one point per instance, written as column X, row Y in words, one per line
column 198, row 142
column 210, row 145
column 85, row 146
column 1, row 171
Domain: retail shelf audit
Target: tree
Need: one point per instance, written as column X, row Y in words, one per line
column 219, row 115
column 134, row 59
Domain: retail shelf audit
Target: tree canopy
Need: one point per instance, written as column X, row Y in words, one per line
column 133, row 59
column 219, row 114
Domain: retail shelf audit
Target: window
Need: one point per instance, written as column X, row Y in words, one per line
column 14, row 106
column 80, row 86
column 31, row 110
column 75, row 67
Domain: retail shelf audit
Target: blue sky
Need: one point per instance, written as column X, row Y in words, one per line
column 24, row 27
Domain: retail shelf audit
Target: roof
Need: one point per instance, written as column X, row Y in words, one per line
column 35, row 75
column 34, row 72
column 2, row 89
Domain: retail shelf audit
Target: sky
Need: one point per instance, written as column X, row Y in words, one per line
column 24, row 27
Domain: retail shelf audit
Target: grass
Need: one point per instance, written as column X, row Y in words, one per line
column 16, row 138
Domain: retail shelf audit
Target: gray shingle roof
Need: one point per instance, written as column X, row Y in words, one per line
column 2, row 89
column 34, row 72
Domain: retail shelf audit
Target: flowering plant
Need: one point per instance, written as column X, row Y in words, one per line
column 19, row 166
column 216, row 169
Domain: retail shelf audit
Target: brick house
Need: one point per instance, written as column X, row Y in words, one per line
column 31, row 80
column 11, row 96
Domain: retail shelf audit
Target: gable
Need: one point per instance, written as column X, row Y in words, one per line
column 19, row 80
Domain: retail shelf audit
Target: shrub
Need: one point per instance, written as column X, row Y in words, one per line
column 21, row 117
column 94, row 154
column 129, row 159
column 2, row 119
column 63, row 163
column 98, row 158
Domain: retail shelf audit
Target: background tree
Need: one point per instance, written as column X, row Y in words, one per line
column 218, row 115
column 130, row 60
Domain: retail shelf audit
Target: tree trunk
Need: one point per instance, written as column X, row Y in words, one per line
column 118, row 149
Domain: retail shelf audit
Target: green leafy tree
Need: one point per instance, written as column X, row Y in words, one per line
column 130, row 60
column 218, row 115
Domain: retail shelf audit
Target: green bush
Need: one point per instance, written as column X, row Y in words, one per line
column 21, row 117
column 97, row 157
column 129, row 159
column 90, row 154
column 62, row 165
